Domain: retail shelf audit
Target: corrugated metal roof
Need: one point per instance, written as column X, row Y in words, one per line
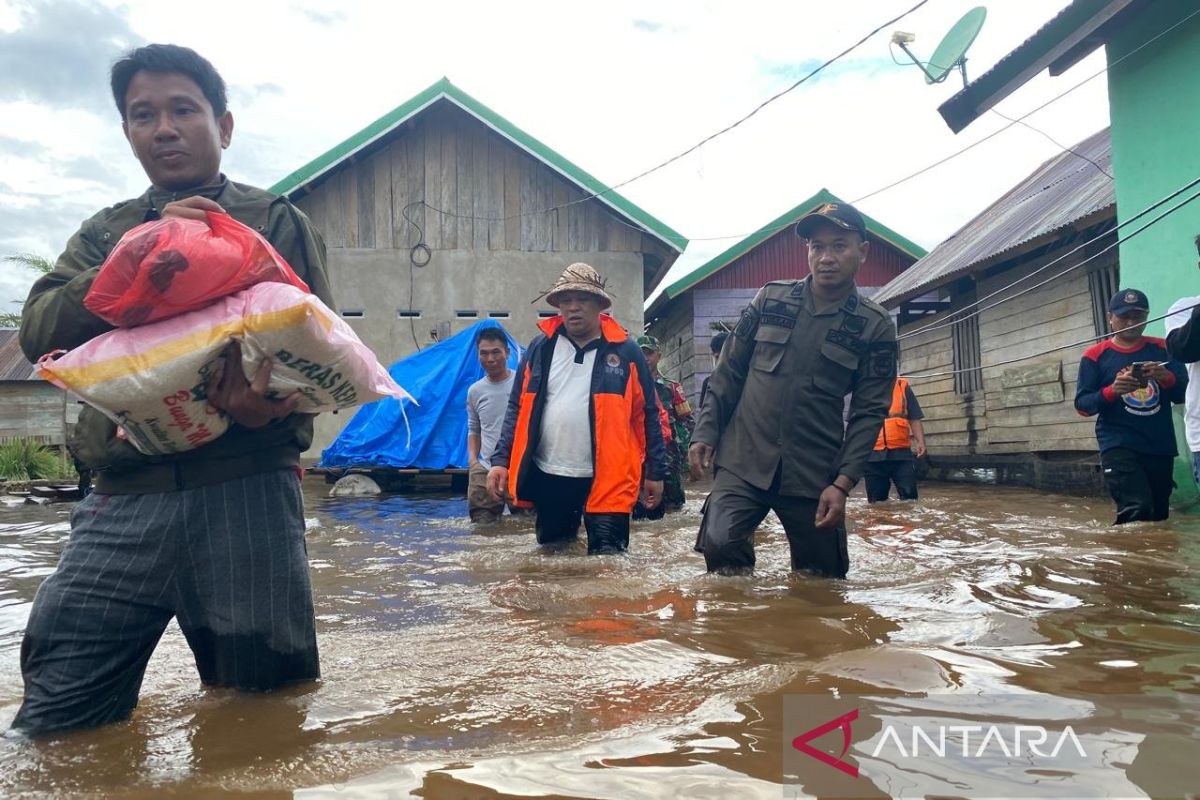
column 1059, row 193
column 1070, row 35
column 13, row 364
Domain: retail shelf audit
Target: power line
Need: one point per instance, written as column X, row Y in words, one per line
column 954, row 316
column 1056, row 143
column 892, row 185
column 774, row 97
column 1072, row 345
column 1054, row 99
column 811, row 74
column 778, row 228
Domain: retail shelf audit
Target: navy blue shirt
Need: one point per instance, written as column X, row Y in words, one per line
column 1140, row 420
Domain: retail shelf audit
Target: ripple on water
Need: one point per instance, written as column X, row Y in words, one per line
column 461, row 660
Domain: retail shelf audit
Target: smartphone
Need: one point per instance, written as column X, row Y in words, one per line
column 1138, row 370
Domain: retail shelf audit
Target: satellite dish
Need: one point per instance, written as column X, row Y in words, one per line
column 951, row 52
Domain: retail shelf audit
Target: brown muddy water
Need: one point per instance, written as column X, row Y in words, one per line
column 467, row 663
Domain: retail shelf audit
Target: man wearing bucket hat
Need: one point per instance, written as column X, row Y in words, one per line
column 1128, row 383
column 772, row 416
column 679, row 424
column 582, row 427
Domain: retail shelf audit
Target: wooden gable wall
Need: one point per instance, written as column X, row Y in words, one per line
column 452, row 161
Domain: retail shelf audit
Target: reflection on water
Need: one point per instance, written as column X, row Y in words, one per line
column 461, row 661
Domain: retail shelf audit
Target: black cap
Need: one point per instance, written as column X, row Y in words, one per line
column 1128, row 300
column 843, row 215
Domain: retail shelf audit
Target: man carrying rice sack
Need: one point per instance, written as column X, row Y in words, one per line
column 213, row 536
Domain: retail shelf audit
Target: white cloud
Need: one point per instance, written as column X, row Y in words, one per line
column 615, row 87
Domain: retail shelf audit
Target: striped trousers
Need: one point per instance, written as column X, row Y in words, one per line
column 228, row 561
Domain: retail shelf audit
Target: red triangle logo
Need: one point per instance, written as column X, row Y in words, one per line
column 801, row 742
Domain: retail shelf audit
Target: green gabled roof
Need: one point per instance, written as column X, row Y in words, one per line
column 783, row 221
column 445, row 90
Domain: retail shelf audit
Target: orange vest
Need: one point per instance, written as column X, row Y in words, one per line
column 624, row 439
column 894, row 435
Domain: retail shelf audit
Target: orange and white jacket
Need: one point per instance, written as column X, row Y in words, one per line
column 627, row 435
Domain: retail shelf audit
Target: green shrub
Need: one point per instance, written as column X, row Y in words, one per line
column 25, row 459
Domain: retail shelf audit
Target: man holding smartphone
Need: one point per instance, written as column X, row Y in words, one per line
column 1128, row 383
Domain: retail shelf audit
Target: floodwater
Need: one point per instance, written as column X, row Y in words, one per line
column 467, row 663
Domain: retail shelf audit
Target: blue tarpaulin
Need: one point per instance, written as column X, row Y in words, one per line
column 436, row 437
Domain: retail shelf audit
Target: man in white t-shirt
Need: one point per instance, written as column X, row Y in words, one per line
column 583, row 422
column 487, row 402
column 1177, row 316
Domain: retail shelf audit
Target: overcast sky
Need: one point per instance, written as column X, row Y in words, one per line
column 616, row 87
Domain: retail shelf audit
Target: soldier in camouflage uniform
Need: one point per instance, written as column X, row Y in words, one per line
column 679, row 414
column 772, row 417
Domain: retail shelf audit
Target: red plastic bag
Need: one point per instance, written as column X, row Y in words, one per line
column 171, row 266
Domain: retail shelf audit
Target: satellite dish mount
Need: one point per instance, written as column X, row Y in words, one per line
column 951, row 52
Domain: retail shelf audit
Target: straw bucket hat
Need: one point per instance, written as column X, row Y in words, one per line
column 579, row 277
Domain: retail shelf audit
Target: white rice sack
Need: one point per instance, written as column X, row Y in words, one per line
column 152, row 380
column 312, row 350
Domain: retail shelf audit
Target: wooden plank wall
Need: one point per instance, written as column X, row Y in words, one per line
column 674, row 334
column 453, row 162
column 712, row 306
column 1026, row 406
column 953, row 422
column 34, row 409
column 1031, row 403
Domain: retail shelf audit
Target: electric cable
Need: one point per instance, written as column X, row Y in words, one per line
column 1080, row 343
column 1055, row 142
column 807, row 77
column 811, row 74
column 954, row 316
column 419, row 255
column 1054, row 99
column 975, row 144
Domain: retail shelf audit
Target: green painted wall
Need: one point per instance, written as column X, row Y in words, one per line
column 1154, row 104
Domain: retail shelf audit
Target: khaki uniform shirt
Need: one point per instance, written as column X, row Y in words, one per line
column 776, row 397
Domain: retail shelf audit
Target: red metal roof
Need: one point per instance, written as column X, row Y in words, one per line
column 1061, row 192
column 785, row 257
column 13, row 364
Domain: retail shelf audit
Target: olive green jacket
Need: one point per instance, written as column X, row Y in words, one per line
column 776, row 398
column 54, row 318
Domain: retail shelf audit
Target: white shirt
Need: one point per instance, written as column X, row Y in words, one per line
column 565, row 445
column 1179, row 313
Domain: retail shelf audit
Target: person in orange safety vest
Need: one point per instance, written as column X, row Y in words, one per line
column 583, row 424
column 892, row 460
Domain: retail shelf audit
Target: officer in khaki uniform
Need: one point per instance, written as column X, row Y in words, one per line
column 773, row 414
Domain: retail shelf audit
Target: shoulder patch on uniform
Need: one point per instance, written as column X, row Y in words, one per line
column 851, row 304
column 846, row 341
column 747, row 324
column 881, row 359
